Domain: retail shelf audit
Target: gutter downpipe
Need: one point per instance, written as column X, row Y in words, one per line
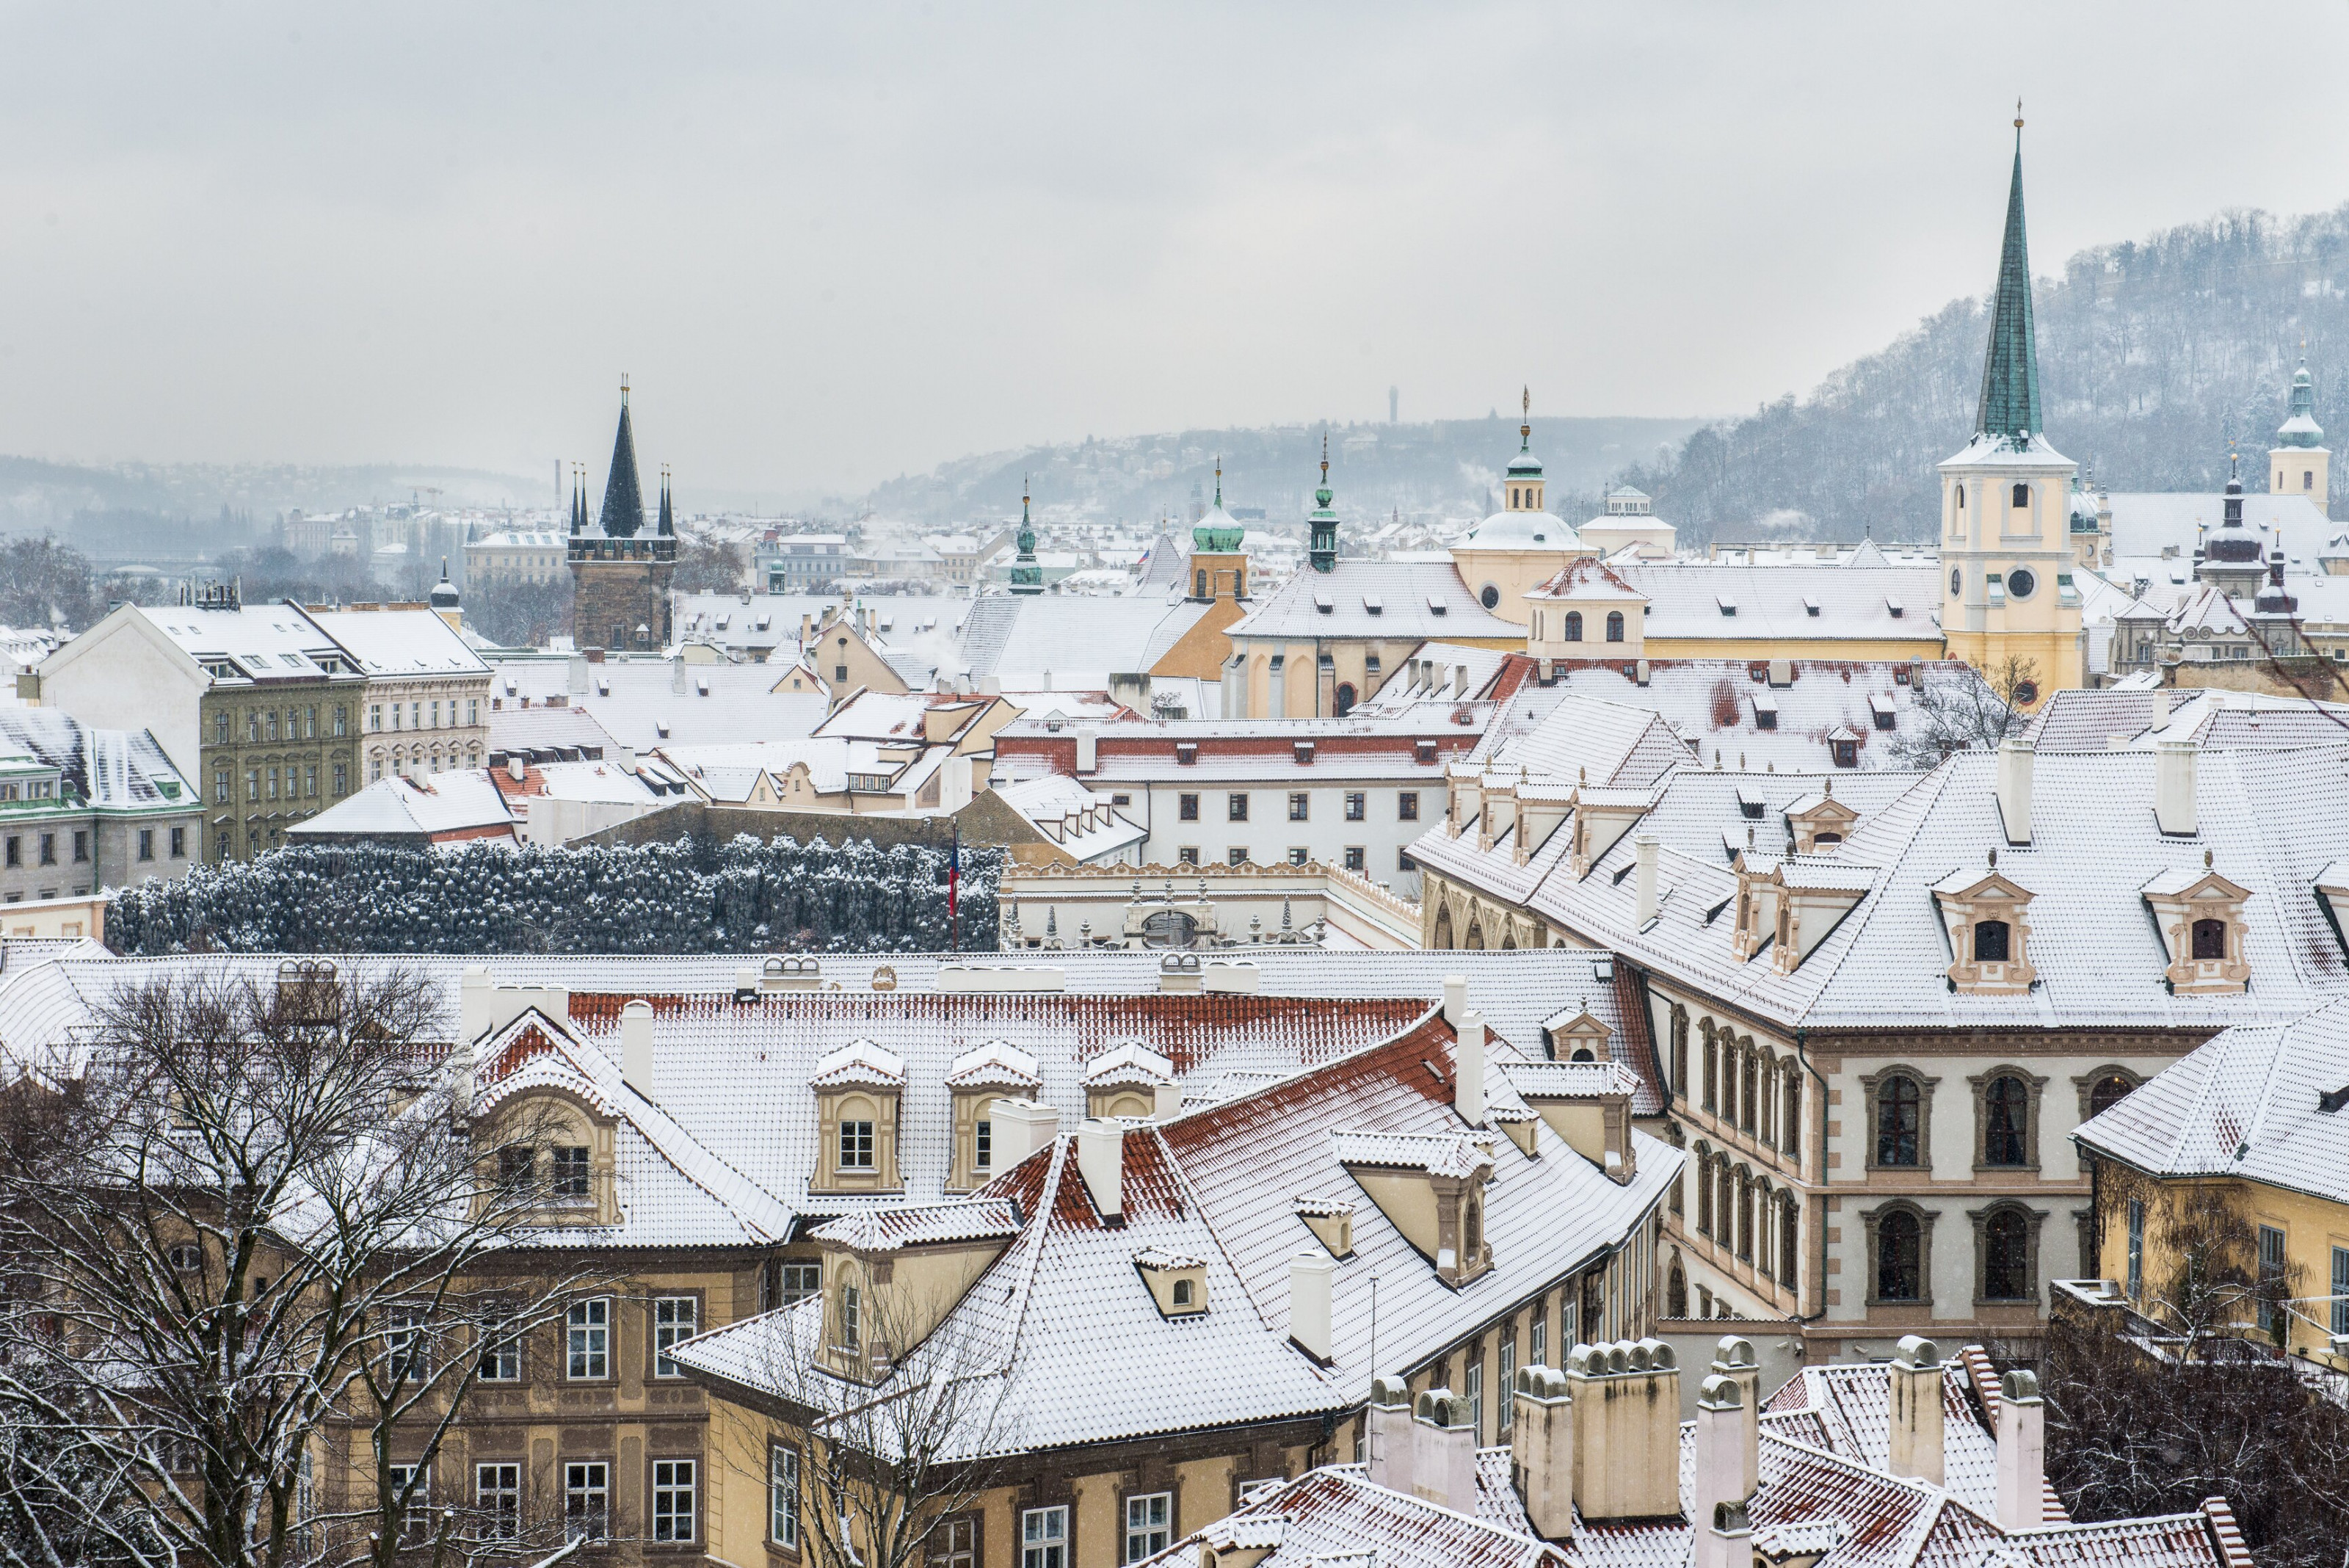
column 1805, row 1057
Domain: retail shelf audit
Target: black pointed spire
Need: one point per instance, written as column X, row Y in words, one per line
column 2010, row 394
column 624, row 495
column 668, row 529
column 578, row 502
column 1322, row 553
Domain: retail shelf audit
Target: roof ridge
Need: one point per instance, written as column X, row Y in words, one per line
column 1047, row 1196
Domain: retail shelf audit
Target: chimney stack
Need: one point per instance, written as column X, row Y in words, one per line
column 1733, row 1358
column 2161, row 709
column 1643, row 879
column 1310, row 1303
column 1386, row 1430
column 1726, row 1540
column 1541, row 1450
column 1088, row 747
column 637, row 1046
column 2014, row 757
column 2022, row 1452
column 1916, row 1448
column 1721, row 1464
column 1468, row 1068
column 1627, row 1429
column 575, row 674
column 1455, row 998
column 2173, row 785
column 1022, row 1128
column 1101, row 1160
column 1443, row 1456
column 473, row 1002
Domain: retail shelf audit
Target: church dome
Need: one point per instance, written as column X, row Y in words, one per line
column 444, row 593
column 1525, row 465
column 1520, row 531
column 1217, row 532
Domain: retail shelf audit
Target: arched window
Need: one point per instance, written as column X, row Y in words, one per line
column 1899, row 1271
column 1345, row 699
column 1574, row 626
column 1676, row 1303
column 2210, row 939
column 2022, row 497
column 1790, row 1120
column 1712, row 1067
column 1475, row 936
column 1899, row 1106
column 1724, row 1194
column 1475, row 1230
column 1729, row 1054
column 1744, row 1215
column 1443, row 928
column 1790, row 1251
column 1750, row 1072
column 1614, row 625
column 2006, row 1257
column 2006, row 1122
column 1765, row 1209
column 1680, row 1054
column 1199, row 584
column 1990, row 941
column 1961, row 498
column 2107, row 1091
column 1703, row 1191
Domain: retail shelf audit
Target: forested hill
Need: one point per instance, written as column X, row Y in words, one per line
column 2152, row 355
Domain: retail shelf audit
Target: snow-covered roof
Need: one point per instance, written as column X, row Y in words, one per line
column 1043, row 642
column 463, row 803
column 391, row 643
column 1070, row 815
column 642, row 702
column 2077, row 721
column 112, row 770
column 1521, row 531
column 255, row 642
column 1746, row 605
column 1412, row 600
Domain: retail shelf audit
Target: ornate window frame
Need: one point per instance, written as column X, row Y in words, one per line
column 1926, row 1218
column 1680, row 1033
column 2036, row 1086
column 1965, row 902
column 2084, row 1085
column 2034, row 1223
column 1870, row 1083
column 2177, row 904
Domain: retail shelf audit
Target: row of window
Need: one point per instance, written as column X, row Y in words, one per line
column 419, row 765
column 2272, row 1286
column 1573, row 631
column 1357, row 856
column 1747, row 1087
column 1745, row 1215
column 260, row 782
column 1301, row 805
column 587, row 1325
column 587, row 1500
column 266, row 723
column 1900, row 1237
column 47, row 843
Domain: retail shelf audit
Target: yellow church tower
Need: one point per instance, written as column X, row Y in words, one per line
column 2300, row 463
column 2009, row 607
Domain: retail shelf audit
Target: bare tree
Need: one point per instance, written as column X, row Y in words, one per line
column 1963, row 711
column 240, row 1235
column 2152, row 1414
column 906, row 1423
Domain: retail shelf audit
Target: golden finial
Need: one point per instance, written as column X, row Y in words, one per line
column 2018, row 114
column 623, row 389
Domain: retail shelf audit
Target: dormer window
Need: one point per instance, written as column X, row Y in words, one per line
column 2199, row 915
column 1984, row 914
column 1991, row 941
column 1177, row 1284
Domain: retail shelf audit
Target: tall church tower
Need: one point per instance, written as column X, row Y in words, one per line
column 619, row 574
column 2298, row 464
column 2009, row 607
column 1026, row 572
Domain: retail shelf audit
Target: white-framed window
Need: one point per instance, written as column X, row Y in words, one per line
column 2341, row 1290
column 673, row 1497
column 856, row 1145
column 985, row 1157
column 1147, row 1527
column 800, row 1281
column 571, row 1171
column 851, row 1313
column 1476, row 1397
column 403, row 1340
column 784, row 1497
column 416, row 1514
column 501, row 1348
column 1044, row 1538
column 1508, row 1381
column 2136, row 1251
column 497, row 1497
column 587, row 1338
column 1537, row 1338
column 675, row 1319
column 586, row 1500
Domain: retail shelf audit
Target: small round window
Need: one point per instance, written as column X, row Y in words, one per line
column 2026, row 692
column 1490, row 598
column 2021, row 583
column 1957, row 582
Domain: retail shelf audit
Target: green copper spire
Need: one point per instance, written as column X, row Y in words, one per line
column 2009, row 395
column 1321, row 555
column 2301, row 429
column 1027, row 574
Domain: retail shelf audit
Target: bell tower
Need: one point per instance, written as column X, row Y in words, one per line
column 2008, row 606
column 2300, row 463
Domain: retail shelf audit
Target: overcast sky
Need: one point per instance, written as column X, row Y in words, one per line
column 836, row 244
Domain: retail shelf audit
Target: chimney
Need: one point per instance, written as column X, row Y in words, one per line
column 1444, row 1451
column 1088, row 747
column 746, row 984
column 1643, row 880
column 1460, row 680
column 1541, row 1450
column 1166, row 1100
column 1101, row 1160
column 1627, row 1429
column 517, row 767
column 676, row 677
column 1721, row 1464
column 1455, row 998
column 2014, row 789
column 2022, row 1452
column 574, row 678
column 473, row 1002
column 1726, row 1539
column 1310, row 1303
column 1022, row 1128
column 637, row 1046
column 1386, row 1431
column 1468, row 1068
column 2161, row 709
column 2173, row 785
column 1733, row 1359
column 1916, row 1448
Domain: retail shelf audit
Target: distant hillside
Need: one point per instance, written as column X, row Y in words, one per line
column 2152, row 355
column 1448, row 469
